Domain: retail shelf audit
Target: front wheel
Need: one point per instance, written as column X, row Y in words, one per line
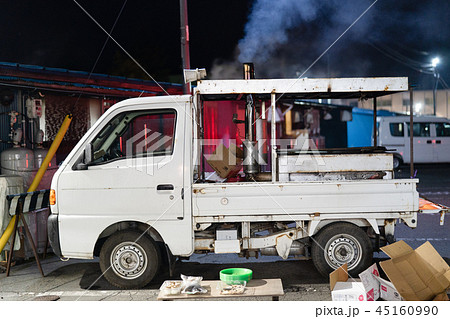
column 129, row 260
column 341, row 243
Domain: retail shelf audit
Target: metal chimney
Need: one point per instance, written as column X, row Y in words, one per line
column 251, row 166
column 249, row 71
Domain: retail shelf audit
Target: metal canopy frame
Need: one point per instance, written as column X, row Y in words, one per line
column 305, row 88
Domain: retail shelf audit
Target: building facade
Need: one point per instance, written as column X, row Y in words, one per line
column 423, row 103
column 35, row 98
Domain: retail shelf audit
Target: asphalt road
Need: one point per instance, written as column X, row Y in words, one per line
column 82, row 280
column 434, row 184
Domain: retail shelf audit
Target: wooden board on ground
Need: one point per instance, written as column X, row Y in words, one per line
column 255, row 288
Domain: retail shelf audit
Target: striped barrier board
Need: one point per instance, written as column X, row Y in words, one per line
column 30, row 201
column 25, row 203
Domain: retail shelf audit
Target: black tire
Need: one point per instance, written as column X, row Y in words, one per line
column 339, row 243
column 397, row 161
column 129, row 260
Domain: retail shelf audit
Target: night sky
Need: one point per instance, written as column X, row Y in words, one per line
column 282, row 38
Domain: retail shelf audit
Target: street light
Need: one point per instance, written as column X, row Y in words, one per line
column 434, row 62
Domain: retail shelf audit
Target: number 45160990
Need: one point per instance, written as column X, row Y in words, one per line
column 407, row 310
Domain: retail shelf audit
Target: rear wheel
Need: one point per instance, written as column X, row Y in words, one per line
column 341, row 243
column 396, row 162
column 129, row 260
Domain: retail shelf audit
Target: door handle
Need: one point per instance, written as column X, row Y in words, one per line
column 429, row 141
column 165, row 187
column 438, row 141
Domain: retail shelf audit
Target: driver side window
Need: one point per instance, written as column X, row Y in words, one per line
column 136, row 133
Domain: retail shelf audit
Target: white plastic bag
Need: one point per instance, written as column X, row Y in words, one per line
column 192, row 285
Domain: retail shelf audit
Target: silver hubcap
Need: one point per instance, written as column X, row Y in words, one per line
column 128, row 260
column 341, row 249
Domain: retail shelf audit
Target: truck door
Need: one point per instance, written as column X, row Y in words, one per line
column 392, row 136
column 442, row 146
column 137, row 172
column 423, row 142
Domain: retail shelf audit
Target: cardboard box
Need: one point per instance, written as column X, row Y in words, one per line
column 349, row 290
column 419, row 274
column 388, row 291
column 370, row 282
column 374, row 286
column 227, row 162
column 345, row 289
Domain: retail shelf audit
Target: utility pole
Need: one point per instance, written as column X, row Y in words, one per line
column 185, row 58
column 436, row 75
column 434, row 64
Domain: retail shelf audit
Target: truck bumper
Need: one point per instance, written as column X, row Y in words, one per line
column 53, row 234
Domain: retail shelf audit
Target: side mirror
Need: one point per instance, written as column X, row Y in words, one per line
column 88, row 157
column 88, row 154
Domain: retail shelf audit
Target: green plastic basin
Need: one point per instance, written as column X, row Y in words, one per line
column 232, row 275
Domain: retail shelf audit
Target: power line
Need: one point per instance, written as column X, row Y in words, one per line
column 327, row 49
column 403, row 46
column 400, row 55
column 107, row 38
column 443, row 83
column 101, row 52
column 332, row 44
column 120, row 46
column 133, row 59
column 399, row 60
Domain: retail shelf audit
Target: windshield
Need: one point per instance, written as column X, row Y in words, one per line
column 145, row 133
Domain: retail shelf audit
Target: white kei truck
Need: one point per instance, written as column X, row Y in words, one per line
column 133, row 191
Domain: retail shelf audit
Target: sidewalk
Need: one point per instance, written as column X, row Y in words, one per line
column 70, row 281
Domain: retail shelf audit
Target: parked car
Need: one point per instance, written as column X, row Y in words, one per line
column 431, row 136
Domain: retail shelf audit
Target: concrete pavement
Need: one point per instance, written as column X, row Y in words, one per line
column 81, row 280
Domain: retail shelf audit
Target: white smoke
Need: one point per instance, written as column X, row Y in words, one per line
column 268, row 24
column 225, row 70
column 284, row 37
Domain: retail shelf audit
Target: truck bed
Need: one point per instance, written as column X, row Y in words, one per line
column 272, row 199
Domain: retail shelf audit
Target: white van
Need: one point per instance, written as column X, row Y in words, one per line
column 431, row 137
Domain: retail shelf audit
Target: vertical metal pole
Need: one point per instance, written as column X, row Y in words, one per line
column 249, row 74
column 375, row 139
column 446, row 105
column 245, row 235
column 21, row 106
column 436, row 75
column 273, row 138
column 411, row 139
column 202, row 138
column 185, row 57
